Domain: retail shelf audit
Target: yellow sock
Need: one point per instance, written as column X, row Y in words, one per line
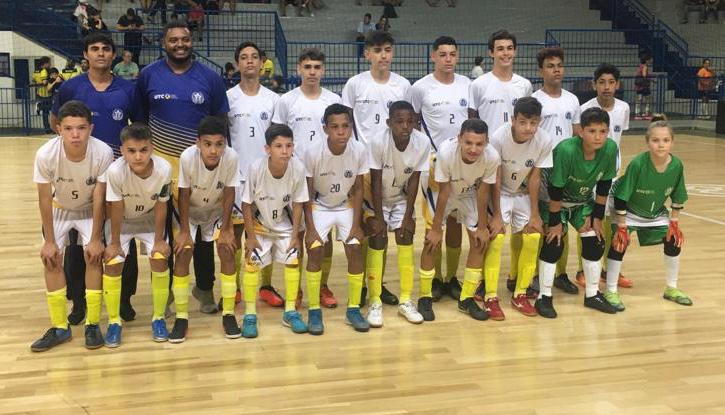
column 607, row 231
column 438, row 266
column 229, row 289
column 426, row 282
column 291, row 286
column 160, row 292
column 267, row 275
column 471, row 277
column 515, row 245
column 374, row 267
column 492, row 265
column 406, row 265
column 238, row 256
column 579, row 251
column 561, row 263
column 326, row 266
column 313, row 289
column 56, row 307
column 250, row 280
column 180, row 288
column 93, row 306
column 112, row 298
column 453, row 256
column 527, row 261
column 354, row 289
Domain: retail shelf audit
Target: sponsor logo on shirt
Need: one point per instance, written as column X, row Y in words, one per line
column 127, row 195
column 441, row 103
column 298, row 119
column 327, row 173
column 165, row 97
column 61, row 179
column 197, row 97
column 366, row 101
column 496, row 101
column 668, row 191
column 242, row 115
column 645, row 191
column 117, row 114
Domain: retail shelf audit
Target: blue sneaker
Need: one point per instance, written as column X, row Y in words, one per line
column 314, row 322
column 113, row 335
column 249, row 326
column 53, row 337
column 293, row 320
column 159, row 330
column 354, row 317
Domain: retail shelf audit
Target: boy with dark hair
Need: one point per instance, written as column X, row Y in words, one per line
column 68, row 171
column 581, row 164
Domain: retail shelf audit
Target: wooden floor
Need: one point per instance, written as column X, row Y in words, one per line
column 655, row 358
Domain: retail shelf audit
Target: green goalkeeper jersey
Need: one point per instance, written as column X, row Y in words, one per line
column 577, row 176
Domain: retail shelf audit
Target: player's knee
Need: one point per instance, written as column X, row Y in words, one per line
column 615, row 255
column 670, row 248
column 592, row 248
column 378, row 241
column 406, row 239
column 114, row 270
column 159, row 265
column 551, row 251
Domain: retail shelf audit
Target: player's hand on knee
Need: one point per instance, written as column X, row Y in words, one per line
column 93, row 253
column 160, row 247
column 313, row 240
column 294, row 246
column 535, row 225
column 226, row 241
column 377, row 225
column 555, row 234
column 111, row 252
column 481, row 237
column 182, row 241
column 407, row 227
column 597, row 228
column 496, row 225
column 673, row 231
column 50, row 255
column 621, row 240
column 356, row 235
column 252, row 245
column 433, row 239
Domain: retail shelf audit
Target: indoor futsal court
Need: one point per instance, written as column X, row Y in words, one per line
column 656, row 357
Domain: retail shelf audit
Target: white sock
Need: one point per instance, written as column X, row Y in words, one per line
column 613, row 269
column 592, row 272
column 547, row 272
column 672, row 269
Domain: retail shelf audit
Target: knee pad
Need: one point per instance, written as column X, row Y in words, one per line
column 551, row 251
column 592, row 248
column 670, row 248
column 615, row 255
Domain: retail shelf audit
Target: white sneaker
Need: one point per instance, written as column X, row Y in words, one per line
column 408, row 310
column 375, row 315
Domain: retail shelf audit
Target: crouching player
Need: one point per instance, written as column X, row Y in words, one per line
column 208, row 174
column 137, row 189
column 274, row 191
column 580, row 163
column 397, row 158
column 71, row 192
column 465, row 171
column 335, row 168
column 639, row 204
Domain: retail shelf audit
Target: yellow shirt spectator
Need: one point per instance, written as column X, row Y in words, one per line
column 40, row 80
column 267, row 69
column 70, row 73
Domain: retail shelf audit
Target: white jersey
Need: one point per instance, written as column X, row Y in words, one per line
column 370, row 101
column 304, row 116
column 249, row 117
column 558, row 114
column 139, row 195
column 618, row 117
column 272, row 198
column 397, row 166
column 72, row 182
column 207, row 186
column 517, row 159
column 334, row 176
column 464, row 178
column 443, row 107
column 494, row 99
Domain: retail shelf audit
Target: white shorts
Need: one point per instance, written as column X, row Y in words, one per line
column 464, row 210
column 392, row 213
column 515, row 211
column 275, row 248
column 326, row 219
column 64, row 220
column 143, row 230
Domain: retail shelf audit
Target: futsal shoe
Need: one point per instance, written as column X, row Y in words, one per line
column 493, row 308
column 53, row 337
column 94, row 337
column 113, row 335
column 621, row 280
column 375, row 315
column 77, row 314
column 249, row 326
column 615, row 300
column 425, row 308
column 532, row 291
column 454, row 289
column 159, row 330
column 674, row 294
column 293, row 320
column 270, row 296
column 231, row 328
column 522, row 305
column 545, row 306
column 581, row 279
column 438, row 289
column 562, row 282
column 207, row 305
column 327, row 298
column 314, row 322
column 407, row 310
column 598, row 302
column 354, row 318
column 126, row 311
column 469, row 306
column 387, row 297
column 178, row 332
column 511, row 284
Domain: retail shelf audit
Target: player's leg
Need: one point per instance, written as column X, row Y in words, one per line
column 454, row 238
column 562, row 280
column 323, row 222
column 607, row 230
column 129, row 281
column 427, row 273
column 290, row 259
column 672, row 264
column 74, row 267
column 472, row 277
column 94, row 289
column 160, row 280
column 614, row 265
column 406, row 269
column 180, row 288
column 204, row 273
column 592, row 251
column 355, row 270
column 528, row 253
column 492, row 262
column 429, row 190
column 113, row 287
column 326, row 266
column 515, row 243
column 228, row 278
column 374, row 268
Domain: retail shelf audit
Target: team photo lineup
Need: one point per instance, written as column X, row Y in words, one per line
column 177, row 167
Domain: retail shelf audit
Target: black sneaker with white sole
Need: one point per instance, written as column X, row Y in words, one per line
column 231, row 328
column 598, row 302
column 94, row 337
column 563, row 283
column 545, row 306
column 178, row 332
column 470, row 307
column 425, row 308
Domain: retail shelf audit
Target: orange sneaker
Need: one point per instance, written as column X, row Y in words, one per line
column 327, row 298
column 270, row 296
column 622, row 281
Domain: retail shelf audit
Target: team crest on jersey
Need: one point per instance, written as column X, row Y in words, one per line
column 264, row 116
column 348, row 173
column 117, row 114
column 389, row 103
column 668, row 191
column 463, row 102
column 197, row 97
column 617, row 128
column 514, row 101
column 408, row 170
column 90, row 181
column 286, row 198
column 530, row 163
column 568, row 115
column 219, row 185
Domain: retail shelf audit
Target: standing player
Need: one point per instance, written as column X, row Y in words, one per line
column 560, row 113
column 138, row 187
column 68, row 173
column 465, row 169
column 606, row 83
column 581, row 164
column 397, row 158
column 441, row 100
column 639, row 206
column 112, row 101
column 208, row 176
column 177, row 92
column 524, row 149
column 251, row 109
column 335, row 169
column 274, row 192
column 302, row 109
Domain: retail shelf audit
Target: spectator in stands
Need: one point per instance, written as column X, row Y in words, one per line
column 95, row 23
column 70, row 70
column 364, row 27
column 146, row 5
column 706, row 86
column 127, row 68
column 195, row 18
column 642, row 88
column 80, row 15
column 686, row 6
column 477, row 69
column 231, row 75
column 277, row 84
column 132, row 26
column 712, row 7
column 282, row 8
column 54, row 81
column 383, row 24
column 266, row 72
column 158, row 6
column 44, row 99
column 434, row 3
column 84, row 65
column 389, row 8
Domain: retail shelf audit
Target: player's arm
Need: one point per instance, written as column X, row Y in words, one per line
column 160, row 244
column 411, row 193
column 49, row 253
column 226, row 234
column 535, row 224
column 376, row 188
column 356, row 199
column 94, row 251
column 496, row 227
column 482, row 195
column 251, row 244
column 183, row 239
